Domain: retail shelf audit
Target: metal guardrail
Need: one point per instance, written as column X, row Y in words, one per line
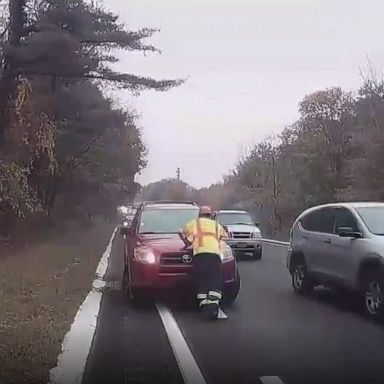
column 276, row 242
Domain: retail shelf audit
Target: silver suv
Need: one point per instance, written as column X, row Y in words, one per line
column 244, row 233
column 340, row 245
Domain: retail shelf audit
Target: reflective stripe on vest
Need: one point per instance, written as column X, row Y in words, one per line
column 200, row 234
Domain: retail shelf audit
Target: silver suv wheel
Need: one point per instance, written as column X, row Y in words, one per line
column 298, row 276
column 373, row 298
column 301, row 281
column 373, row 295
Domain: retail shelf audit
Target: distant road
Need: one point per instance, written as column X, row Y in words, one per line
column 270, row 333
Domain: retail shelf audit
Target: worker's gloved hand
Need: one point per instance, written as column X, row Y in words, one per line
column 185, row 240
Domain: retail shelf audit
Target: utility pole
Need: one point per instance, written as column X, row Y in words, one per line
column 275, row 190
column 178, row 173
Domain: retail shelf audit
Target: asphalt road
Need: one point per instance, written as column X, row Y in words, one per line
column 269, row 332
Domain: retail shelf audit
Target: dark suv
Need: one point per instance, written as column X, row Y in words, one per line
column 155, row 257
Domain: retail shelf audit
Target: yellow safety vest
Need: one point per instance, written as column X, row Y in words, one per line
column 205, row 235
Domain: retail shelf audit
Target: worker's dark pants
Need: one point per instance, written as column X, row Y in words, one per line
column 207, row 273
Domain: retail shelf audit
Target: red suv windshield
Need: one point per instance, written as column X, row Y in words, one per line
column 165, row 220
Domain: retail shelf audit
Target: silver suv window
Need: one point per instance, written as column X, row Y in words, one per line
column 345, row 218
column 373, row 218
column 327, row 220
column 321, row 220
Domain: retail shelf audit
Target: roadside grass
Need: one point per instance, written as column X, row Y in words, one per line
column 41, row 288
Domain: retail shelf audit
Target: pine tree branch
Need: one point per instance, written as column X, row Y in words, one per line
column 130, row 81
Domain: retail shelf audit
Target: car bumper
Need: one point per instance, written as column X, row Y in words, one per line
column 154, row 277
column 246, row 245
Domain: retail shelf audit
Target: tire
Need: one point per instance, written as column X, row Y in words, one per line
column 373, row 295
column 257, row 254
column 231, row 291
column 301, row 281
column 136, row 297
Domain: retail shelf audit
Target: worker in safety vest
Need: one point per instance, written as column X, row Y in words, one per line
column 205, row 235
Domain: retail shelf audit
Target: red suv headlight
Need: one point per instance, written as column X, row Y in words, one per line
column 145, row 255
column 226, row 253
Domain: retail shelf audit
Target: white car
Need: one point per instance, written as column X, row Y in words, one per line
column 244, row 233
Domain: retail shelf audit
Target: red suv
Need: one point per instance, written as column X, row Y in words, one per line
column 155, row 257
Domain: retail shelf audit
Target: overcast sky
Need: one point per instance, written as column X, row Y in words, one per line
column 248, row 65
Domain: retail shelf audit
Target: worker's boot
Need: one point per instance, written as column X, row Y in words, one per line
column 211, row 305
column 200, row 298
column 210, row 309
column 203, row 303
column 214, row 297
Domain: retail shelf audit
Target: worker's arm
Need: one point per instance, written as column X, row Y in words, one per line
column 185, row 235
column 222, row 233
column 184, row 238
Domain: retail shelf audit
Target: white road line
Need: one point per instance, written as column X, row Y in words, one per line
column 222, row 314
column 271, row 380
column 78, row 341
column 188, row 367
column 104, row 261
